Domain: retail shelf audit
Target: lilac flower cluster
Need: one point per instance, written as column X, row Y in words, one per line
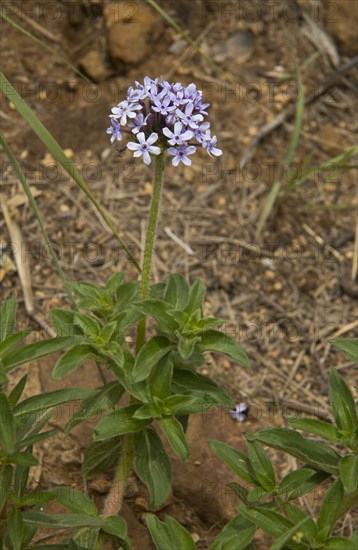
column 163, row 116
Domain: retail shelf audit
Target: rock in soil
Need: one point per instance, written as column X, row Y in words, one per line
column 132, row 28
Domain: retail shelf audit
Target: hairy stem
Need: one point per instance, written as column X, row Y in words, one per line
column 150, row 241
column 114, row 498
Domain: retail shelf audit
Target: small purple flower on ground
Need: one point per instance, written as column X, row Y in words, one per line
column 240, row 412
column 173, row 113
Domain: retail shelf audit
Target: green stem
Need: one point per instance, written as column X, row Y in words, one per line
column 150, row 241
column 114, row 499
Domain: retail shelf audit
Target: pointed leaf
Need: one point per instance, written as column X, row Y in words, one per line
column 8, row 317
column 12, row 341
column 271, row 522
column 178, row 536
column 17, row 391
column 330, row 509
column 342, row 403
column 152, row 465
column 176, row 436
column 237, row 461
column 33, row 351
column 74, row 500
column 41, row 520
column 315, row 426
column 262, row 466
column 101, row 456
column 15, row 528
column 214, row 340
column 289, row 534
column 72, row 359
column 119, row 422
column 349, row 346
column 176, row 291
column 161, row 311
column 149, row 355
column 313, row 452
column 7, row 426
column 196, row 297
column 348, row 469
column 43, row 402
column 161, row 377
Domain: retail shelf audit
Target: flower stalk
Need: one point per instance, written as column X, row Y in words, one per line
column 150, row 242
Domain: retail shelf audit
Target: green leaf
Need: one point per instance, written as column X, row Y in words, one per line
column 34, row 499
column 236, row 535
column 342, row 403
column 161, row 377
column 35, row 438
column 239, row 491
column 48, row 521
column 8, row 317
column 16, row 393
column 196, row 297
column 33, row 351
column 214, row 340
column 89, row 326
column 5, row 483
column 152, row 465
column 315, row 426
column 294, row 480
column 119, row 422
column 116, row 526
column 161, row 311
column 158, row 531
column 340, row 543
column 175, row 434
column 178, row 535
column 180, row 405
column 12, row 341
column 7, row 426
column 176, row 291
column 72, row 359
column 317, row 454
column 271, row 522
column 330, row 509
column 348, row 345
column 169, row 535
column 261, row 465
column 185, row 381
column 96, row 404
column 101, row 456
column 62, row 321
column 23, row 459
column 236, row 460
column 86, row 538
column 152, row 351
column 74, row 500
column 348, row 469
column 289, row 534
column 15, row 528
column 43, row 402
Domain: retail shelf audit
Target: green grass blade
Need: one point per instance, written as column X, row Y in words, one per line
column 33, row 204
column 57, row 54
column 272, row 197
column 59, row 155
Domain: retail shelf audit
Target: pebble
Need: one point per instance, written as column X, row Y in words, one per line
column 132, row 29
column 239, row 47
column 93, row 64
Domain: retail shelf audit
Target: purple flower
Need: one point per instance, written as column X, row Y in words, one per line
column 144, row 147
column 161, row 104
column 180, row 134
column 124, row 110
column 240, row 412
column 180, row 154
column 187, row 117
column 114, row 130
column 209, row 144
column 168, row 114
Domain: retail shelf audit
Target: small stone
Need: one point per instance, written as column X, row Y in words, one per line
column 195, row 537
column 132, row 29
column 330, row 139
column 93, row 64
column 148, row 187
column 239, row 47
column 341, row 23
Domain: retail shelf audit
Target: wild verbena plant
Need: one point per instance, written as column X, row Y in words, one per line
column 155, row 385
